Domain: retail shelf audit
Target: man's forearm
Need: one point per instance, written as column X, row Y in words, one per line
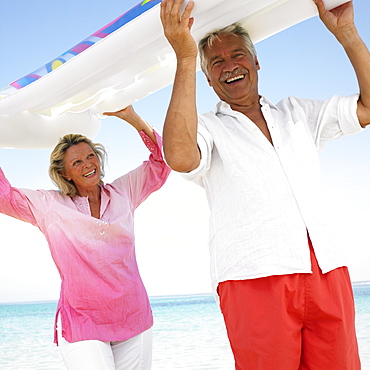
column 359, row 57
column 180, row 127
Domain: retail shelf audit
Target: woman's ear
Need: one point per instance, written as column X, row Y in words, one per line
column 64, row 175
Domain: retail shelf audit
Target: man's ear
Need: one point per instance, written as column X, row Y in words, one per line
column 208, row 80
column 257, row 63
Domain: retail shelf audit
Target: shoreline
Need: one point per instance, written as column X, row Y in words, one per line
column 151, row 298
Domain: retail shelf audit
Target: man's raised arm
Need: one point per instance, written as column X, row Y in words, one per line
column 340, row 22
column 180, row 127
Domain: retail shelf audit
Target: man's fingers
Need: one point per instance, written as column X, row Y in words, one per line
column 187, row 11
column 175, row 12
column 166, row 11
column 170, row 12
column 320, row 6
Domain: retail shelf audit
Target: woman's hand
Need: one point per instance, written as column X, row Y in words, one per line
column 129, row 115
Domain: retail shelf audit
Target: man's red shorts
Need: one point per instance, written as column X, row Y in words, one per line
column 290, row 322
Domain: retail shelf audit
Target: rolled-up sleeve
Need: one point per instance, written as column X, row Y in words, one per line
column 347, row 111
column 148, row 177
column 337, row 118
column 327, row 120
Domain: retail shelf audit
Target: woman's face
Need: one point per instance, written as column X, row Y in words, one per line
column 82, row 166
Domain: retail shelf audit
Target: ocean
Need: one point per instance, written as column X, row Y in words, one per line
column 188, row 334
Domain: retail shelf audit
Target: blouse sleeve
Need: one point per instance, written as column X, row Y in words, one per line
column 148, row 177
column 13, row 202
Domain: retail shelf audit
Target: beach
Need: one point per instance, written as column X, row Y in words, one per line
column 188, row 333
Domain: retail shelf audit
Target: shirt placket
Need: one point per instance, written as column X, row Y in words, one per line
column 250, row 126
column 284, row 159
column 83, row 206
column 274, row 131
column 277, row 146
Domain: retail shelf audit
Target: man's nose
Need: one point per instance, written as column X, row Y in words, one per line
column 230, row 65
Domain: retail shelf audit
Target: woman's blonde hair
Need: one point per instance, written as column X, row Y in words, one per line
column 56, row 168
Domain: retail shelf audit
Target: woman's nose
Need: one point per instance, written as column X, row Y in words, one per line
column 87, row 164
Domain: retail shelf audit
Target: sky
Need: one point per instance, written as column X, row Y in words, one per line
column 172, row 225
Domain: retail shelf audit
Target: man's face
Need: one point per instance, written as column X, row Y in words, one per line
column 231, row 70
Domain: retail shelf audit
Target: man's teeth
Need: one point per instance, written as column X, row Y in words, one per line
column 234, row 78
column 90, row 173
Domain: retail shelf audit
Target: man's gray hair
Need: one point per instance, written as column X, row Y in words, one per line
column 234, row 29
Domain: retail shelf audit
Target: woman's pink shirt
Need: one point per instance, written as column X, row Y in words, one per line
column 102, row 295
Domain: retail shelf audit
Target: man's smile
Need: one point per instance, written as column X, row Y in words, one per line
column 235, row 78
column 237, row 74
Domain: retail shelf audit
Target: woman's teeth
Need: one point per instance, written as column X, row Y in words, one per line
column 89, row 173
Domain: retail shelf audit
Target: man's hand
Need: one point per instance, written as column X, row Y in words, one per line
column 339, row 21
column 177, row 28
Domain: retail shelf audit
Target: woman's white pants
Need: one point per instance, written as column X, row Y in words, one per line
column 131, row 354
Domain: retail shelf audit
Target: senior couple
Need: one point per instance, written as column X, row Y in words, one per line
column 280, row 279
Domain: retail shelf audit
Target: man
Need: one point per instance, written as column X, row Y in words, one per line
column 283, row 286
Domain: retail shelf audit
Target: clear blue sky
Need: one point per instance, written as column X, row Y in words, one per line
column 171, row 227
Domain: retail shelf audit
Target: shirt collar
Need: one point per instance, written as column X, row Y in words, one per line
column 82, row 203
column 223, row 107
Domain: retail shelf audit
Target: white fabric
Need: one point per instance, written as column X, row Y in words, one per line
column 263, row 197
column 132, row 354
column 124, row 67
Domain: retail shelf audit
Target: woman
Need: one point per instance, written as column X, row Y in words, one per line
column 103, row 318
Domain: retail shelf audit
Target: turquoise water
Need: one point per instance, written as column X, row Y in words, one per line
column 188, row 334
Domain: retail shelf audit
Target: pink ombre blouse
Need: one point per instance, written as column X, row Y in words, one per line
column 102, row 295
